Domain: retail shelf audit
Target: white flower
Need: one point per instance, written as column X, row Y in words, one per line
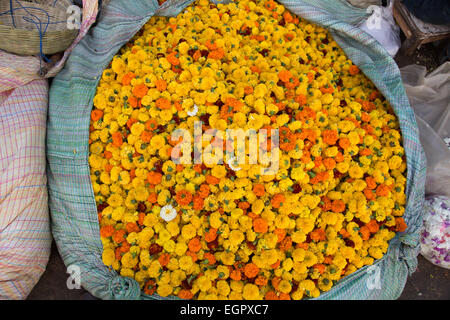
column 168, row 213
column 230, row 161
column 194, row 111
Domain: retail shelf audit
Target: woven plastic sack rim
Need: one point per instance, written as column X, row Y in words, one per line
column 403, row 247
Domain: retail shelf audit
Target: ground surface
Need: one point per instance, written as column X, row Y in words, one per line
column 429, row 282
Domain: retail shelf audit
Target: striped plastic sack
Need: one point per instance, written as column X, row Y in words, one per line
column 71, row 197
column 25, row 236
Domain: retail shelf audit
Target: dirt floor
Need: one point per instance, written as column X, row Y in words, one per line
column 429, row 282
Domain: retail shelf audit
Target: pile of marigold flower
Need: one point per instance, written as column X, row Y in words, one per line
column 214, row 232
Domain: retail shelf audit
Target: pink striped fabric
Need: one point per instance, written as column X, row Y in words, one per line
column 25, row 236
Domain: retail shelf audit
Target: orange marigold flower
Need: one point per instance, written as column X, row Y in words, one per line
column 277, row 200
column 119, row 236
column 212, row 180
column 204, row 191
column 185, row 294
column 280, row 233
column 153, row 197
column 285, row 75
column 329, row 163
column 164, row 259
column 198, row 203
column 140, row 90
column 261, row 281
column 318, row 235
column 284, row 296
column 132, row 227
column 107, row 231
column 183, row 197
column 126, row 79
column 210, row 257
column 260, row 225
column 286, row 244
column 319, row 267
column 259, row 189
column 251, row 270
column 211, row 235
column 154, row 177
column 330, row 136
column 365, row 232
column 194, row 245
column 235, row 275
column 271, row 295
column 163, row 103
column 300, row 99
column 373, row 226
column 172, row 58
column 337, row 206
column 382, row 190
column 400, row 225
column 354, row 70
column 161, row 84
column 117, row 139
column 96, row 114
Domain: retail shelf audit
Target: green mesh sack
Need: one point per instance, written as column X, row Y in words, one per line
column 75, row 224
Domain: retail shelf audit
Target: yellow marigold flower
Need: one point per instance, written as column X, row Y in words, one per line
column 251, row 292
column 108, row 257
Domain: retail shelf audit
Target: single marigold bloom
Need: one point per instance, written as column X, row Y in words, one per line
column 96, row 114
column 280, row 233
column 117, row 139
column 210, row 179
column 354, row 70
column 183, row 197
column 194, row 245
column 329, row 163
column 259, row 190
column 185, row 294
column 132, row 227
column 251, row 270
column 198, row 203
column 277, row 200
column 146, row 136
column 119, row 236
column 330, row 136
column 163, row 103
column 126, row 79
column 382, row 190
column 235, row 275
column 107, row 231
column 318, row 235
column 400, row 225
column 319, row 267
column 161, row 84
column 211, row 235
column 140, row 90
column 365, row 232
column 164, row 259
column 373, row 226
column 271, row 295
column 286, row 243
column 152, row 198
column 154, row 177
column 337, row 206
column 260, row 225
